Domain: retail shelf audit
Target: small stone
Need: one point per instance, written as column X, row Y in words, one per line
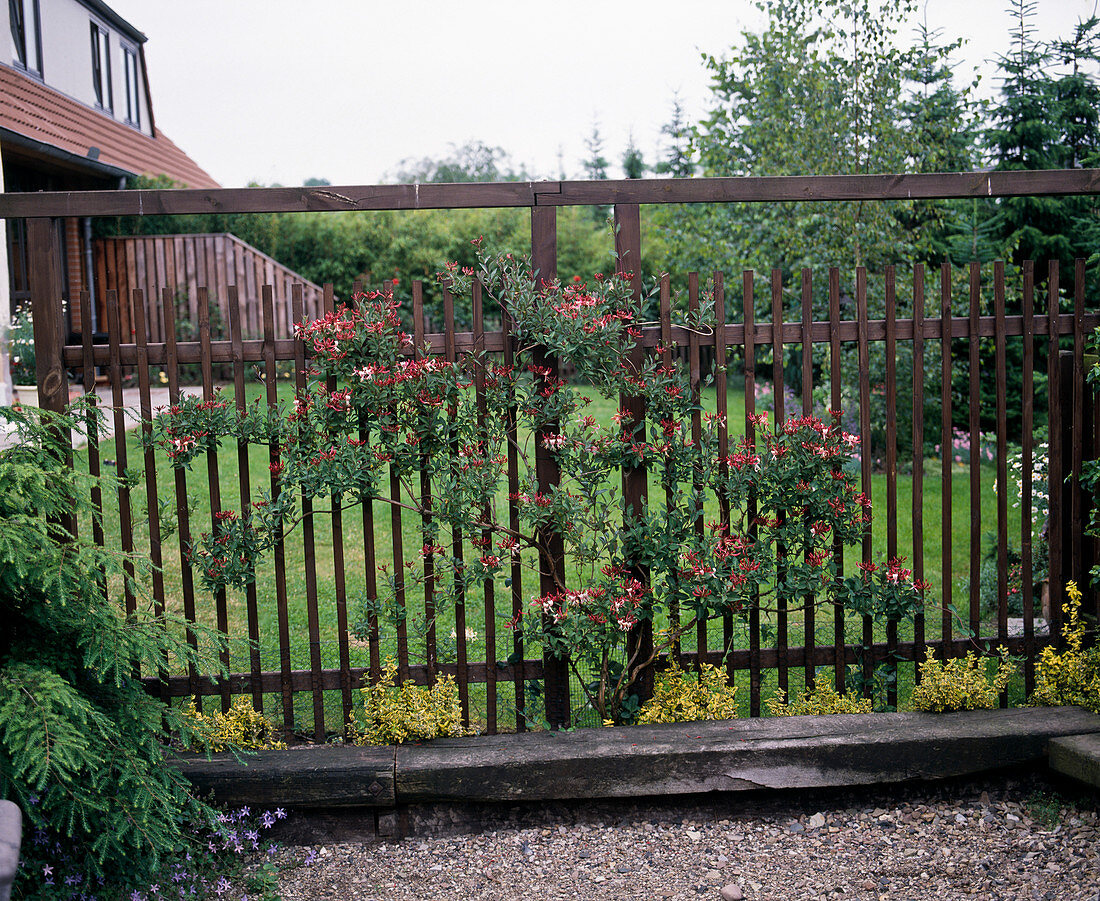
column 721, row 861
column 868, row 885
column 731, row 892
column 714, row 875
column 816, row 821
column 693, row 835
column 797, row 827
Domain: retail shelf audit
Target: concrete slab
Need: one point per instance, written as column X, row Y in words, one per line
column 683, row 759
column 1077, row 756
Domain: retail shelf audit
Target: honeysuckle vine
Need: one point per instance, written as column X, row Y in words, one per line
column 398, row 410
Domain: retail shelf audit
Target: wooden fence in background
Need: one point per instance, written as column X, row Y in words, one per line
column 1072, row 423
column 183, row 263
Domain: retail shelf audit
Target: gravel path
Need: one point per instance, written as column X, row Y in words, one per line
column 997, row 839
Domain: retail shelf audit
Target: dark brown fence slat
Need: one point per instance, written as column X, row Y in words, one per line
column 1055, row 583
column 125, row 516
column 974, row 413
column 628, row 251
column 1080, row 399
column 551, row 555
column 244, row 480
column 479, row 362
column 339, row 573
column 721, row 362
column 865, row 450
column 457, row 537
column 213, row 479
column 92, row 422
column 275, row 465
column 183, row 517
column 665, row 315
column 836, row 399
column 749, row 308
column 511, row 427
column 1027, row 445
column 1002, row 457
column 313, row 619
column 918, row 456
column 891, row 460
column 696, row 381
column 370, row 563
column 152, row 497
column 809, row 626
column 427, row 528
column 780, row 413
column 946, row 456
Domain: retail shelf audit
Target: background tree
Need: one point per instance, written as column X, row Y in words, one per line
column 634, row 165
column 677, row 156
column 472, row 161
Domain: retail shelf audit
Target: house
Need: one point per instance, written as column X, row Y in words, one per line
column 76, row 114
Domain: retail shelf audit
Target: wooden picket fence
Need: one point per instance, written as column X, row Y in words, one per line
column 315, row 698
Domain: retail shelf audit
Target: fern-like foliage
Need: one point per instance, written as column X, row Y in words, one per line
column 82, row 744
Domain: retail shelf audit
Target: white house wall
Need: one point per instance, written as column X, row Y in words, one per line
column 67, row 56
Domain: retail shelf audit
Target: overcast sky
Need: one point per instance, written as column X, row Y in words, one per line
column 281, row 91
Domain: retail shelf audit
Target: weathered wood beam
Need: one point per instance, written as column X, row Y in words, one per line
column 486, row 195
column 685, row 758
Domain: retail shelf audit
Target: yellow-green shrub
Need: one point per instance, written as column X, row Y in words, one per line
column 393, row 713
column 960, row 683
column 823, row 699
column 1072, row 677
column 680, row 697
column 242, row 727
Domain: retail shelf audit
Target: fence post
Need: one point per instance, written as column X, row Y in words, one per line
column 544, row 258
column 44, row 280
column 628, row 249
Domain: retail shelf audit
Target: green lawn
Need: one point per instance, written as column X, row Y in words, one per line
column 354, row 556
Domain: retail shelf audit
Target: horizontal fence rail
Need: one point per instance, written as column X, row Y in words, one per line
column 481, row 195
column 301, row 656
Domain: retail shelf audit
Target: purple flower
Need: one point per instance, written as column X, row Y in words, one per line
column 47, row 870
column 252, row 835
column 280, row 814
column 267, row 820
column 135, row 895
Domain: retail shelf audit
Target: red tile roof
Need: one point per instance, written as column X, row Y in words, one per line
column 42, row 114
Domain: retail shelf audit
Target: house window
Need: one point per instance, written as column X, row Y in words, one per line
column 101, row 68
column 26, row 34
column 133, row 95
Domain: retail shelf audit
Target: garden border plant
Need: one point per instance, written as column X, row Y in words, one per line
column 83, row 745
